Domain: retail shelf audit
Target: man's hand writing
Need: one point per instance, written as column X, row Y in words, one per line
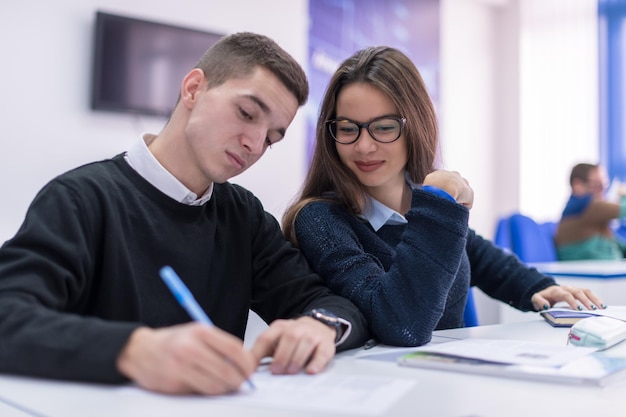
column 186, row 359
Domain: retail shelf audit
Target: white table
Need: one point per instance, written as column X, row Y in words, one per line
column 607, row 279
column 435, row 393
column 7, row 410
column 605, row 270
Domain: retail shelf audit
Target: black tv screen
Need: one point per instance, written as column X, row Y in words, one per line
column 139, row 65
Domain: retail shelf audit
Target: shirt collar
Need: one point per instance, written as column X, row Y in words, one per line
column 378, row 214
column 143, row 161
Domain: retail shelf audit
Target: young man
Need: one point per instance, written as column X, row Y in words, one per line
column 584, row 231
column 80, row 292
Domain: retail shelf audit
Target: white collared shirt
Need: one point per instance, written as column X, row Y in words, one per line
column 141, row 160
column 378, row 214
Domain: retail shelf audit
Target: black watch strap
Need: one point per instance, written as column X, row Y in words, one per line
column 328, row 319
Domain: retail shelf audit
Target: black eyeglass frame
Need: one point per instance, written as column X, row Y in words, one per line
column 399, row 119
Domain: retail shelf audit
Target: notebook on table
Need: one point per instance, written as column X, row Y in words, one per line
column 566, row 317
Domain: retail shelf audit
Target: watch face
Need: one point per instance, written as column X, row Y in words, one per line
column 329, row 319
column 324, row 314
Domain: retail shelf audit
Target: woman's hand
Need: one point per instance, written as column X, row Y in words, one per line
column 454, row 184
column 576, row 298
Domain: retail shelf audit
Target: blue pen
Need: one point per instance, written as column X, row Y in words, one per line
column 186, row 299
column 184, row 296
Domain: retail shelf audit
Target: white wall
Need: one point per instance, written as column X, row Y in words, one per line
column 559, row 99
column 469, row 69
column 479, row 111
column 519, row 103
column 47, row 126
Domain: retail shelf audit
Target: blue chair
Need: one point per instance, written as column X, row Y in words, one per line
column 470, row 316
column 549, row 228
column 530, row 241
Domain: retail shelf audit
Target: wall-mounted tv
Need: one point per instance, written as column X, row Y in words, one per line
column 139, row 65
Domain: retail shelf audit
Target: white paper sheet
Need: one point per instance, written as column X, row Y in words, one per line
column 363, row 395
column 327, row 393
column 510, row 351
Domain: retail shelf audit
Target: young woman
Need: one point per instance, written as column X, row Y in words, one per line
column 385, row 228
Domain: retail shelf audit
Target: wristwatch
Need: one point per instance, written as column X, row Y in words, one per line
column 328, row 319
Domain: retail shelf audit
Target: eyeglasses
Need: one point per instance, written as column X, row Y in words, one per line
column 384, row 129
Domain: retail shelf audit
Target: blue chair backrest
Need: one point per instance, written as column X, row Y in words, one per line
column 549, row 228
column 530, row 241
column 470, row 316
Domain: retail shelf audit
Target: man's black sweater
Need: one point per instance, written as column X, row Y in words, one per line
column 82, row 272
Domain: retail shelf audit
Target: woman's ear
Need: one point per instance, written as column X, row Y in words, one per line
column 193, row 82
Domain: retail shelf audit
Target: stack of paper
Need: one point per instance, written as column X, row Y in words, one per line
column 519, row 359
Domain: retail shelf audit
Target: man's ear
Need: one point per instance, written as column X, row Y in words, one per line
column 193, row 82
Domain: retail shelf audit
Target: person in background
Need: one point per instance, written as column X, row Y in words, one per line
column 80, row 293
column 584, row 230
column 384, row 227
